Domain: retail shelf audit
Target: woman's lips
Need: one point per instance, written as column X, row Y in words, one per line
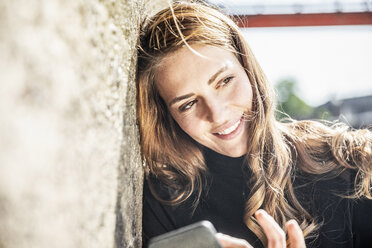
column 231, row 132
column 230, row 129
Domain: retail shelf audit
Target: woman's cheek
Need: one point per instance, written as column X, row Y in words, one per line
column 190, row 125
column 243, row 94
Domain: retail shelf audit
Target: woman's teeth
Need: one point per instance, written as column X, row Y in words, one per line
column 230, row 129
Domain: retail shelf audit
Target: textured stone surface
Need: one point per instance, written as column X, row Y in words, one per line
column 70, row 172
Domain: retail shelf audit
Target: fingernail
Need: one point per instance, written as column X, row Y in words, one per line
column 291, row 223
column 260, row 212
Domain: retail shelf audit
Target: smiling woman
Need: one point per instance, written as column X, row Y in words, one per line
column 214, row 151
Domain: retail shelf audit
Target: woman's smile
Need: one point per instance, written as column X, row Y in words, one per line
column 230, row 132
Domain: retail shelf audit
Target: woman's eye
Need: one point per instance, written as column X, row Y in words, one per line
column 187, row 106
column 226, row 81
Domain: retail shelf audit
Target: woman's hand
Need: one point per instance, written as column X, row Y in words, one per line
column 275, row 235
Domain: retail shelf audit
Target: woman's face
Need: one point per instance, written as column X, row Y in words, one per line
column 208, row 96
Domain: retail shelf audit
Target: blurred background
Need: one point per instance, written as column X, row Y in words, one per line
column 316, row 53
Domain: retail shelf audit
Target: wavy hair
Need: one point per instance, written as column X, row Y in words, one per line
column 275, row 149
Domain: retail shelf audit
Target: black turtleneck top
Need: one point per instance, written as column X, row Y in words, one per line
column 345, row 223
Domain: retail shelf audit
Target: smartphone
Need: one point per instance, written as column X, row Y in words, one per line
column 198, row 235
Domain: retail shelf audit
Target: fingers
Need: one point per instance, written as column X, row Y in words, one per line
column 227, row 241
column 295, row 235
column 275, row 235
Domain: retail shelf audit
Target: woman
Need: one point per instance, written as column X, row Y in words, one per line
column 213, row 149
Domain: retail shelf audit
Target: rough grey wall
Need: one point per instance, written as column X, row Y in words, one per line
column 70, row 172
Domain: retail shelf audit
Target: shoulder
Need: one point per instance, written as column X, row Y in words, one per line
column 152, row 186
column 342, row 219
column 320, row 196
column 362, row 222
column 155, row 194
column 156, row 216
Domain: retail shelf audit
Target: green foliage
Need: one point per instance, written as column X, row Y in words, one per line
column 289, row 104
column 323, row 113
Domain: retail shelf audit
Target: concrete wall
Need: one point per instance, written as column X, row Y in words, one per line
column 70, row 171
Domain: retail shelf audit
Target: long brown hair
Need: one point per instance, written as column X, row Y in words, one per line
column 275, row 148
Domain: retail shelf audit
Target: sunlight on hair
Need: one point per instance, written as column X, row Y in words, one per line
column 175, row 19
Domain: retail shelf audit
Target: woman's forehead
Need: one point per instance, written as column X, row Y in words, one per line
column 185, row 68
column 194, row 58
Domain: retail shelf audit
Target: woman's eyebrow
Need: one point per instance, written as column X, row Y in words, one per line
column 222, row 69
column 180, row 98
column 211, row 79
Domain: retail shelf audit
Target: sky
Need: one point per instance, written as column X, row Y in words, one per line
column 328, row 62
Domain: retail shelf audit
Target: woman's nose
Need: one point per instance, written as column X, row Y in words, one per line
column 215, row 110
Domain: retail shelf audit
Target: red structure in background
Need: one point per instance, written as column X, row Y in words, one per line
column 313, row 19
